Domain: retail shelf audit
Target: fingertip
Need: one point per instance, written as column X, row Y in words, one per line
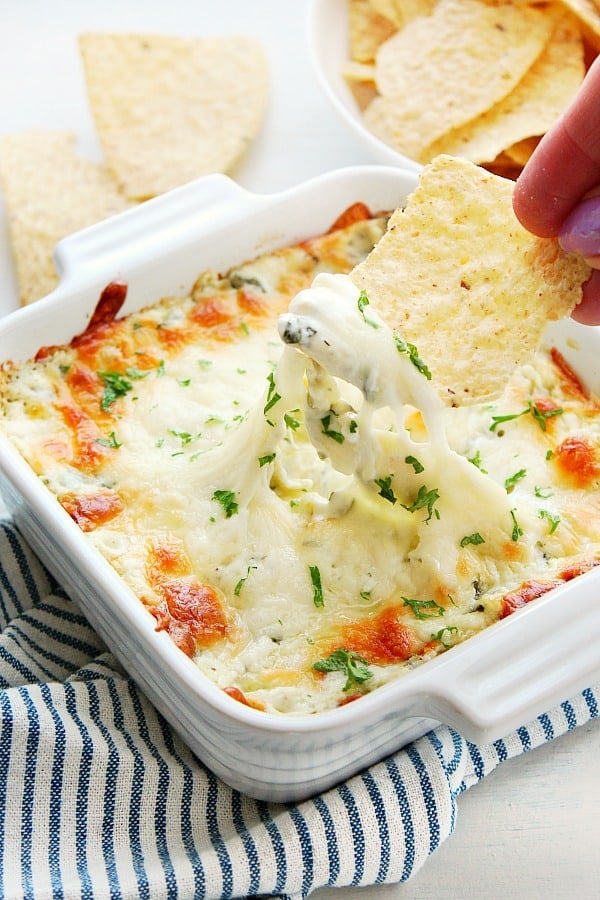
column 580, row 232
column 588, row 311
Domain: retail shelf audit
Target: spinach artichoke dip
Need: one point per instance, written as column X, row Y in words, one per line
column 267, row 466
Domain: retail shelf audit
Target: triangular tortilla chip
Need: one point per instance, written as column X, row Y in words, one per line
column 50, row 191
column 170, row 109
column 458, row 276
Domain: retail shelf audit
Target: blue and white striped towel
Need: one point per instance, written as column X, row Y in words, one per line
column 100, row 799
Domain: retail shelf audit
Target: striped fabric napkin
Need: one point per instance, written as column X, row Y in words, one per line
column 99, row 798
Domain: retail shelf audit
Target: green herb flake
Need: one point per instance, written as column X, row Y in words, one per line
column 291, row 421
column 184, row 436
column 553, row 520
column 476, row 461
column 474, row 539
column 227, row 501
column 272, row 396
column 517, row 531
column 315, row 577
column 542, row 493
column 265, row 460
column 363, row 301
column 330, row 432
column 424, row 609
column 385, row 489
column 115, row 386
column 426, row 499
column 110, row 441
column 539, row 415
column 243, row 580
column 413, row 354
column 414, row 462
column 439, row 635
column 352, row 664
column 513, row 479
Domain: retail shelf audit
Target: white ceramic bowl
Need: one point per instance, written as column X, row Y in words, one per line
column 485, row 687
column 327, row 36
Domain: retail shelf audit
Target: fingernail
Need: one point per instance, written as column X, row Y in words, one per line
column 580, row 232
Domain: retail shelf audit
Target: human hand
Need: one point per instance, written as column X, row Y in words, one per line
column 558, row 191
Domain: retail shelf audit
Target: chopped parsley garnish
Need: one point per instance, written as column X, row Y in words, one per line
column 351, row 663
column 385, row 488
column 334, row 435
column 184, row 436
column 425, row 500
column 227, row 501
column 315, row 577
column 513, row 479
column 553, row 521
column 272, row 396
column 363, row 301
column 517, row 530
column 184, row 382
column 420, row 608
column 117, row 385
column 265, row 460
column 474, row 539
column 439, row 635
column 476, row 460
column 110, row 441
column 538, row 414
column 290, row 421
column 542, row 493
column 414, row 462
column 243, row 580
column 413, row 355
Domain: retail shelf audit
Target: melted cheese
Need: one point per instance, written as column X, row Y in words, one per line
column 284, row 491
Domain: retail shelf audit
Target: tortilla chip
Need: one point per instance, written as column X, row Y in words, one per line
column 367, row 30
column 532, row 106
column 402, row 11
column 170, row 109
column 360, row 79
column 430, row 76
column 50, row 192
column 588, row 14
column 520, row 152
column 459, row 277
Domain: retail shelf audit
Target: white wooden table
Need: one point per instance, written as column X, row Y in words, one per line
column 532, row 828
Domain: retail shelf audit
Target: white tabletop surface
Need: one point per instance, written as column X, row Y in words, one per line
column 531, row 829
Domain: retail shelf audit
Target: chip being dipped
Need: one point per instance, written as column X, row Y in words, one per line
column 459, row 277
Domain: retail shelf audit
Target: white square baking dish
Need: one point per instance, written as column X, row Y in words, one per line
column 486, row 686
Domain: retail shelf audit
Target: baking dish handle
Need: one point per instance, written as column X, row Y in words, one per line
column 526, row 664
column 177, row 215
